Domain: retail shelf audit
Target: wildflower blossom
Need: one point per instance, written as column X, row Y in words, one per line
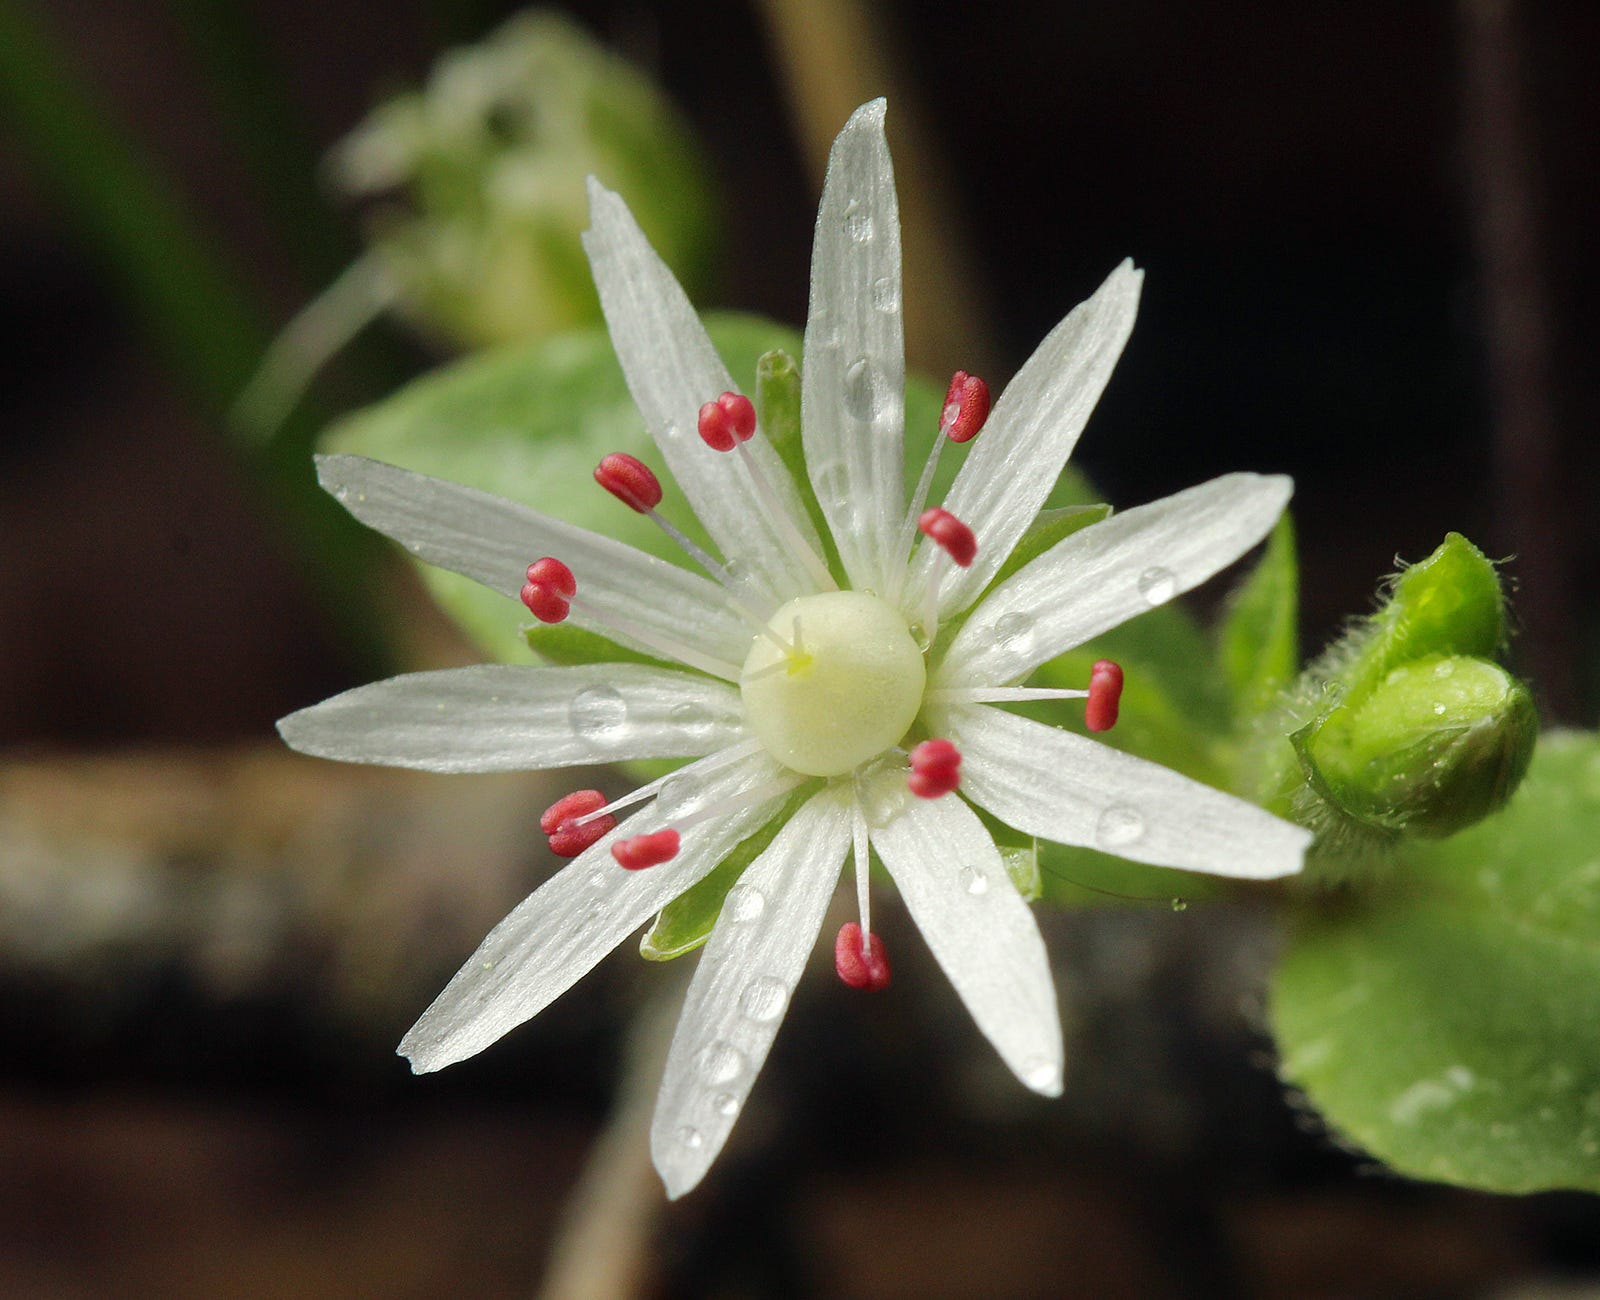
column 866, row 698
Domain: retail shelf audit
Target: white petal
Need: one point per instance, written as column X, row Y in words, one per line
column 1074, row 790
column 1100, row 577
column 983, row 935
column 1017, row 458
column 672, row 370
column 559, row 932
column 510, row 718
column 492, row 541
column 853, row 378
column 742, row 987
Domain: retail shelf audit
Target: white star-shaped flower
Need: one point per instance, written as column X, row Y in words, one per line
column 798, row 684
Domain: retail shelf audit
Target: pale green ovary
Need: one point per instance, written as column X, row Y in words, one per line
column 852, row 693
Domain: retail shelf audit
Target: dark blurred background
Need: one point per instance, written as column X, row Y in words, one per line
column 1367, row 230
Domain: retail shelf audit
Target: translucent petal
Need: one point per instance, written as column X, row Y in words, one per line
column 509, row 718
column 1109, row 572
column 1074, row 790
column 492, row 541
column 559, row 932
column 983, row 935
column 1017, row 458
column 672, row 370
column 853, row 377
column 742, row 987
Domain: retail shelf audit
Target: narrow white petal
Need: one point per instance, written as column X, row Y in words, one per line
column 853, row 380
column 983, row 935
column 1111, row 571
column 1032, row 430
column 1068, row 788
column 672, row 370
column 510, row 718
column 493, row 541
column 741, row 989
column 559, row 932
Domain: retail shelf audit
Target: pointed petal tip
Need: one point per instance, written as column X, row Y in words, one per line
column 872, row 113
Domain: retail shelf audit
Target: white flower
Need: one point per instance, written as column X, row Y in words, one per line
column 822, row 699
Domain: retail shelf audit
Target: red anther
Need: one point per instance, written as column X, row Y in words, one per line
column 646, row 850
column 549, row 590
column 560, row 822
column 728, row 420
column 935, row 769
column 550, row 572
column 1105, row 693
column 630, row 480
column 950, row 533
column 860, row 960
column 966, row 407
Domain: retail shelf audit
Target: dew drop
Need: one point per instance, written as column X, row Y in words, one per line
column 744, row 904
column 690, row 1137
column 886, row 293
column 721, row 1063
column 863, row 390
column 1158, row 585
column 919, row 634
column 1445, row 668
column 1180, row 904
column 1438, row 707
column 1119, row 826
column 857, row 224
column 725, row 1104
column 1014, row 632
column 974, row 881
column 693, row 718
column 764, row 998
column 680, row 793
column 597, row 713
column 883, row 801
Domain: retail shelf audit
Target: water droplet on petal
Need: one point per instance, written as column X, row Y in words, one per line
column 690, row 1137
column 1119, row 826
column 1446, row 668
column 721, row 1063
column 974, row 880
column 1158, row 585
column 725, row 1104
column 744, row 904
column 692, row 717
column 1014, row 632
column 886, row 293
column 680, row 793
column 597, row 713
column 764, row 998
column 863, row 390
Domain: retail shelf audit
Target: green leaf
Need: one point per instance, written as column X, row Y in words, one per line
column 685, row 923
column 1258, row 644
column 1453, row 1030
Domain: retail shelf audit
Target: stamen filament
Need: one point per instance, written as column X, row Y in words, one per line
column 919, row 498
column 863, row 861
column 744, row 749
column 999, row 694
column 779, row 514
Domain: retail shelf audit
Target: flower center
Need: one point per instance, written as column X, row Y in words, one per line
column 848, row 687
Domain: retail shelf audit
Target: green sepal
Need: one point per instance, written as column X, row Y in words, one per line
column 1050, row 527
column 1439, row 744
column 685, row 923
column 1258, row 642
column 1022, row 865
column 562, row 644
column 1450, row 1024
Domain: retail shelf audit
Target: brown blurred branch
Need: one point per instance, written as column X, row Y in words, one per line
column 1508, row 228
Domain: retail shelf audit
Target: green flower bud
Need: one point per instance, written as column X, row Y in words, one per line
column 480, row 181
column 1437, row 745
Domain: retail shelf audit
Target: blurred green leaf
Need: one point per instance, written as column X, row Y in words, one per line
column 1259, row 640
column 1453, row 1029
